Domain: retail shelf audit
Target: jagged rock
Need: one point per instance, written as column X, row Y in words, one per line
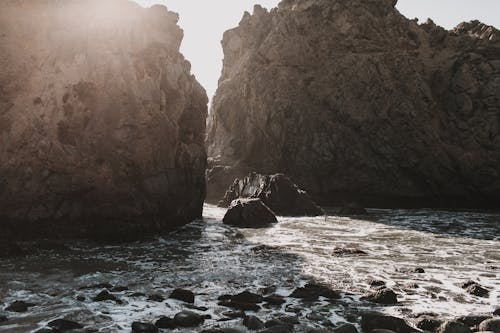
column 355, row 102
column 374, row 320
column 249, row 213
column 492, row 324
column 102, row 126
column 277, row 192
column 453, row 327
column 183, row 295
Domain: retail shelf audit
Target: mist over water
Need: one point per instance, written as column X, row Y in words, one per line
column 212, row 259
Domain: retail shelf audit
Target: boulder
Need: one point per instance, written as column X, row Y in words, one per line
column 188, row 319
column 106, row 296
column 19, row 306
column 374, row 320
column 138, row 327
column 102, row 125
column 183, row 295
column 492, row 324
column 453, row 327
column 357, row 103
column 382, row 296
column 249, row 213
column 64, row 325
column 428, row 323
column 277, row 192
column 345, row 328
column 165, row 323
column 253, row 323
column 312, row 291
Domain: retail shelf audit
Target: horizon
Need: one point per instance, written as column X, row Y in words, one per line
column 203, row 35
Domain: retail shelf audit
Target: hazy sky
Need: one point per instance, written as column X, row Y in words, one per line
column 204, row 22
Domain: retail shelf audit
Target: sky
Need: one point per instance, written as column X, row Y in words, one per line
column 204, row 22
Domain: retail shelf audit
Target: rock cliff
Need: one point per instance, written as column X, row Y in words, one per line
column 356, row 102
column 102, row 126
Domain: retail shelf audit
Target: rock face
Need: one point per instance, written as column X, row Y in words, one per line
column 102, row 126
column 249, row 213
column 357, row 103
column 277, row 192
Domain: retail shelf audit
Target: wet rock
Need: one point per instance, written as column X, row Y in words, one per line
column 275, row 300
column 19, row 306
column 453, row 327
column 340, row 252
column 253, row 323
column 64, row 325
column 277, row 329
column 477, row 290
column 183, row 295
column 277, row 192
column 156, row 298
column 47, row 330
column 138, row 294
column 102, row 285
column 382, row 331
column 496, row 312
column 119, row 153
column 374, row 320
column 138, row 327
column 382, row 296
column 119, row 289
column 492, row 324
column 472, row 320
column 269, row 290
column 311, row 292
column 80, row 298
column 345, row 328
column 276, row 322
column 234, row 314
column 249, row 213
column 247, row 297
column 106, row 296
column 418, row 270
column 195, row 307
column 376, row 283
column 165, row 322
column 3, row 319
column 188, row 319
column 428, row 323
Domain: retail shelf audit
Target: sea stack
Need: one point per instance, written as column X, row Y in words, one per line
column 357, row 103
column 102, row 126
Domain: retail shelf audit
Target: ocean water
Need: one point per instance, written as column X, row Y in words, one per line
column 212, row 259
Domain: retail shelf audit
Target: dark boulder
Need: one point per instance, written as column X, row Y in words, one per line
column 453, row 327
column 345, row 328
column 19, row 306
column 166, row 323
column 64, row 325
column 382, row 296
column 188, row 319
column 472, row 320
column 274, row 300
column 477, row 290
column 3, row 319
column 312, row 291
column 492, row 325
column 106, row 296
column 138, row 327
column 374, row 320
column 156, row 298
column 249, row 213
column 183, row 295
column 428, row 323
column 277, row 192
column 253, row 323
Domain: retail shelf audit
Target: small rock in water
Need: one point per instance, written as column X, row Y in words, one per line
column 253, row 323
column 188, row 319
column 234, row 314
column 376, row 283
column 249, row 213
column 247, row 297
column 374, row 320
column 492, row 324
column 382, row 296
column 165, row 322
column 345, row 328
column 338, row 252
column 274, row 299
column 477, row 290
column 106, row 296
column 453, row 327
column 472, row 320
column 3, row 319
column 137, row 294
column 418, row 270
column 19, row 306
column 183, row 295
column 311, row 292
column 119, row 289
column 269, row 290
column 64, row 325
column 102, row 285
column 80, row 298
column 496, row 312
column 138, row 327
column 156, row 298
column 428, row 323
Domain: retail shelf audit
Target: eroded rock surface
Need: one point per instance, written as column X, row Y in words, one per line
column 102, row 125
column 277, row 192
column 355, row 102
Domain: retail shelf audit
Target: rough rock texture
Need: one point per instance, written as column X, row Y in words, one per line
column 355, row 102
column 102, row 126
column 277, row 192
column 249, row 213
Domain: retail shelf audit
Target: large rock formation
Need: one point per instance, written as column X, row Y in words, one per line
column 102, row 126
column 356, row 102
